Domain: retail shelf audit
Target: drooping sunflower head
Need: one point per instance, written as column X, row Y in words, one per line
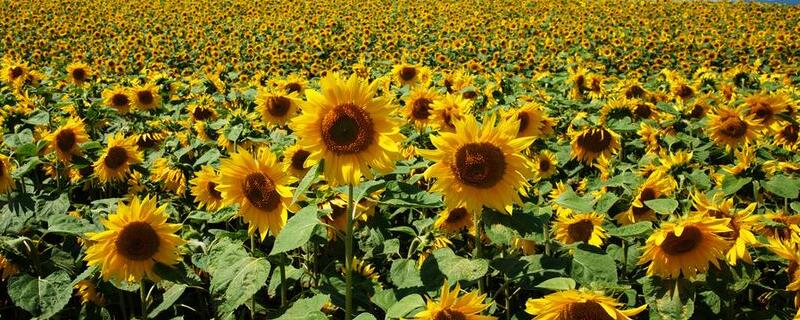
column 580, row 228
column 780, row 226
column 66, row 140
column 454, row 220
column 631, row 89
column 363, row 269
column 87, row 291
column 146, row 97
column 202, row 110
column 579, row 305
column 260, row 187
column 686, row 246
column 789, row 251
column 765, row 108
column 137, row 237
column 350, row 128
column 78, row 72
column 480, row 165
column 277, row 107
column 447, row 110
column 116, row 159
column 451, row 306
column 590, row 143
column 295, row 161
column 786, row 135
column 616, row 109
column 731, row 128
column 545, row 164
column 7, row 267
column 418, row 108
column 409, row 74
column 365, row 208
column 118, row 98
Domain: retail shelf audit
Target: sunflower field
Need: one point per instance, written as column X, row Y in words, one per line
column 396, row 159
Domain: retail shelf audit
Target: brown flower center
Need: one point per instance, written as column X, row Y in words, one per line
column 524, row 121
column 261, row 192
column 643, row 111
column 588, row 310
column 449, row 314
column 65, row 140
column 299, row 159
column 16, row 72
column 689, row 239
column 347, row 129
column 79, row 74
column 456, row 215
column 120, row 100
column 202, row 113
column 293, row 87
column 116, row 157
column 408, row 73
column 733, row 127
column 684, row 92
column 697, row 111
column 595, row 140
column 479, row 164
column 544, row 164
column 137, row 241
column 469, row 95
column 212, row 190
column 581, row 231
column 634, row 91
column 145, row 97
column 421, row 109
column 790, row 133
column 762, row 111
column 278, row 106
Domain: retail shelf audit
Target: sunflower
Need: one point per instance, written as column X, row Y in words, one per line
column 363, row 269
column 579, row 305
column 731, row 127
column 686, row 246
column 765, row 108
column 137, row 237
column 418, row 107
column 616, row 109
column 591, row 143
column 545, row 164
column 260, row 187
column 787, row 135
column 14, row 73
column 293, row 83
column 780, row 226
column 295, row 161
column 88, row 293
column 454, row 220
column 649, row 135
column 656, row 186
column 451, row 306
column 631, row 89
column 526, row 246
column 117, row 158
column 480, row 165
column 277, row 107
column 146, row 97
column 790, row 252
column 66, row 140
column 118, row 98
column 165, row 172
column 409, row 74
column 448, row 109
column 78, row 73
column 531, row 118
column 365, row 208
column 350, row 128
column 202, row 110
column 742, row 222
column 584, row 227
column 8, row 268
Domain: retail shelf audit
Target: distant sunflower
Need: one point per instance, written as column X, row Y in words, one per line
column 117, row 158
column 295, row 161
column 365, row 208
column 765, row 108
column 78, row 73
column 731, row 127
column 631, row 89
column 480, row 165
column 448, row 109
column 787, row 135
column 88, row 293
column 277, row 107
column 616, row 109
column 686, row 246
column 350, row 128
column 531, row 118
column 780, row 226
column 545, row 164
column 451, row 306
column 293, row 83
column 14, row 73
column 66, row 140
column 579, row 305
column 656, row 186
column 788, row 250
column 137, row 237
column 146, row 97
column 590, row 143
column 454, row 220
column 260, row 187
column 409, row 74
column 118, row 98
column 582, row 228
column 202, row 110
column 418, row 108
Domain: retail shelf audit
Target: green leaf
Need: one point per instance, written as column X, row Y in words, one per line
column 209, row 156
column 58, row 206
column 783, row 186
column 605, row 202
column 234, row 132
column 406, row 307
column 700, row 179
column 455, row 268
column 557, row 284
column 41, row 297
column 662, row 206
column 38, row 119
column 69, row 225
column 307, row 180
column 590, row 265
column 572, row 201
column 297, row 230
column 239, row 282
column 307, row 308
column 365, row 316
column 170, row 296
column 668, row 300
column 404, row 274
column 631, row 230
column 223, row 253
column 731, row 184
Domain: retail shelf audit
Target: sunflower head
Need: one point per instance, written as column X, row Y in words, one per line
column 686, row 247
column 66, row 140
column 765, row 108
column 545, row 164
column 146, row 97
column 295, row 161
column 732, row 128
column 116, row 159
column 118, row 98
column 580, row 228
column 277, row 107
column 409, row 74
column 78, row 73
column 451, row 306
column 454, row 220
column 787, row 135
column 88, row 293
column 579, row 305
column 418, row 108
column 447, row 110
column 590, row 143
column 137, row 237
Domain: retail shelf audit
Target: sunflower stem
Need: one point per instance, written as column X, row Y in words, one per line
column 479, row 244
column 253, row 298
column 348, row 255
column 546, row 238
column 123, row 308
column 624, row 259
column 143, row 299
column 283, row 283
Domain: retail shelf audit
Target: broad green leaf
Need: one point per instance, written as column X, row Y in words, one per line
column 605, row 202
column 572, row 201
column 783, row 186
column 731, row 184
column 170, row 296
column 590, row 265
column 404, row 274
column 66, row 224
column 557, row 284
column 209, row 156
column 662, row 206
column 306, row 309
column 41, row 297
column 406, row 307
column 307, row 180
column 365, row 316
column 297, row 230
column 239, row 282
column 38, row 119
column 57, row 206
column 631, row 230
column 454, row 268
